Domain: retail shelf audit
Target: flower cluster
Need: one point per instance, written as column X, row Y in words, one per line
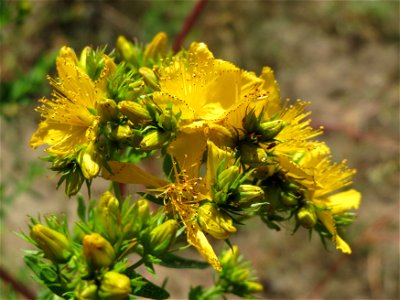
column 229, row 147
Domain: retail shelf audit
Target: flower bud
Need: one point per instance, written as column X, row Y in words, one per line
column 230, row 257
column 73, row 182
column 307, row 217
column 120, row 133
column 54, row 244
column 143, row 210
column 253, row 155
column 227, row 177
column 98, row 251
column 108, row 211
column 250, row 122
column 127, row 50
column 149, row 78
column 107, row 109
column 214, row 221
column 270, row 129
column 86, row 290
column 115, row 286
column 289, row 198
column 89, row 161
column 162, row 237
column 157, row 47
column 248, row 194
column 253, row 287
column 135, row 112
column 154, row 140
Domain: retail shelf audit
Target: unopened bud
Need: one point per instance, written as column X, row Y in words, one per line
column 162, row 237
column 86, row 290
column 107, row 109
column 157, row 47
column 135, row 112
column 227, row 177
column 54, row 244
column 127, row 50
column 154, row 140
column 73, row 182
column 143, row 210
column 98, row 251
column 307, row 217
column 149, row 78
column 108, row 210
column 239, row 275
column 214, row 221
column 253, row 155
column 115, row 286
column 289, row 198
column 253, row 287
column 247, row 194
column 89, row 161
column 250, row 122
column 230, row 257
column 120, row 133
column 270, row 129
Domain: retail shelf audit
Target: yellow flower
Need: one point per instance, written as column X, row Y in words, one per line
column 183, row 197
column 206, row 91
column 67, row 119
column 322, row 179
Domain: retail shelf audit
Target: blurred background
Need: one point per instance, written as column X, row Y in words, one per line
column 343, row 56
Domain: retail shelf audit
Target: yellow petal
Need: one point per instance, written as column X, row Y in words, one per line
column 198, row 239
column 328, row 221
column 63, row 138
column 130, row 173
column 188, row 149
column 270, row 86
column 341, row 202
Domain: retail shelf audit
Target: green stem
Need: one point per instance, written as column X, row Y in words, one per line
column 135, row 265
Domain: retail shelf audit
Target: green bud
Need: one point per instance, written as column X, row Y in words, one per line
column 247, row 194
column 107, row 109
column 239, row 275
column 162, row 237
column 127, row 50
column 89, row 160
column 143, row 210
column 168, row 121
column 108, row 212
column 157, row 47
column 154, row 140
column 115, row 286
column 73, row 182
column 54, row 244
column 229, row 258
column 135, row 112
column 98, row 251
column 121, row 133
column 253, row 155
column 250, row 122
column 270, row 129
column 289, row 198
column 149, row 78
column 214, row 221
column 307, row 217
column 227, row 177
column 86, row 290
column 253, row 287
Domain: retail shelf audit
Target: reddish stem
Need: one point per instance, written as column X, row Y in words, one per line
column 187, row 26
column 17, row 286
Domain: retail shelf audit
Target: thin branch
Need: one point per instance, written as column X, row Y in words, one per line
column 17, row 286
column 189, row 22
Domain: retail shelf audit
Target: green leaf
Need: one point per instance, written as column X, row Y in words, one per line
column 81, row 208
column 144, row 288
column 173, row 261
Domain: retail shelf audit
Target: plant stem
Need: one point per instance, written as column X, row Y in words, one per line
column 17, row 286
column 188, row 24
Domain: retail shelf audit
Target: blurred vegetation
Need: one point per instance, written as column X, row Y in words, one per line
column 341, row 55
